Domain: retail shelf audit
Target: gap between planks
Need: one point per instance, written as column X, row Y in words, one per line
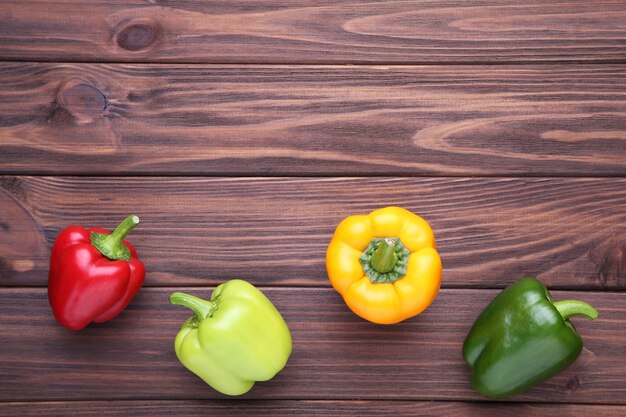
column 263, row 175
column 278, row 64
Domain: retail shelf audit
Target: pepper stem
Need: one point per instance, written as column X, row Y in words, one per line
column 202, row 308
column 568, row 308
column 111, row 245
column 384, row 259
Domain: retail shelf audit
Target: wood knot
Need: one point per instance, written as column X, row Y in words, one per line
column 82, row 100
column 137, row 34
column 572, row 384
column 610, row 261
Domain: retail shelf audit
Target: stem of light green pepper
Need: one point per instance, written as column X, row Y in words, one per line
column 202, row 308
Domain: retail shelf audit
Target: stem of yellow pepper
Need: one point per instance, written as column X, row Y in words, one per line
column 384, row 259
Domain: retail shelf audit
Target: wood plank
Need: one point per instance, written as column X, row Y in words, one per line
column 336, row 354
column 571, row 233
column 249, row 120
column 202, row 408
column 319, row 31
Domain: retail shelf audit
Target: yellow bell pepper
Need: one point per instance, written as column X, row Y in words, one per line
column 385, row 264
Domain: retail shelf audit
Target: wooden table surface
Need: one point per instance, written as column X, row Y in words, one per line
column 242, row 132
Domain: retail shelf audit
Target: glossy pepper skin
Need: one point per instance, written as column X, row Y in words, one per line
column 522, row 338
column 233, row 340
column 94, row 274
column 385, row 264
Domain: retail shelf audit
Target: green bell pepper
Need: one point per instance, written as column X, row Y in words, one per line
column 233, row 340
column 522, row 338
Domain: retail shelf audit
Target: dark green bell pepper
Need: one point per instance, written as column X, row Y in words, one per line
column 522, row 338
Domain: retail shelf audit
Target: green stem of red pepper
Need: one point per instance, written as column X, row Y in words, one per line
column 112, row 245
column 569, row 308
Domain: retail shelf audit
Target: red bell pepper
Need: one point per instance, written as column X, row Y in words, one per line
column 93, row 274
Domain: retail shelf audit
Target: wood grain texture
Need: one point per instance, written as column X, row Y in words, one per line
column 199, row 231
column 249, row 120
column 336, row 355
column 202, row 408
column 319, row 31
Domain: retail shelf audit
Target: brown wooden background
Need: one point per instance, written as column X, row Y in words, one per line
column 243, row 131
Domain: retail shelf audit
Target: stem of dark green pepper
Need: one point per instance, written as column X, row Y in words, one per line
column 111, row 245
column 202, row 308
column 384, row 259
column 569, row 308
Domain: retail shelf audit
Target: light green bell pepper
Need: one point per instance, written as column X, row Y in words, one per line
column 233, row 340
